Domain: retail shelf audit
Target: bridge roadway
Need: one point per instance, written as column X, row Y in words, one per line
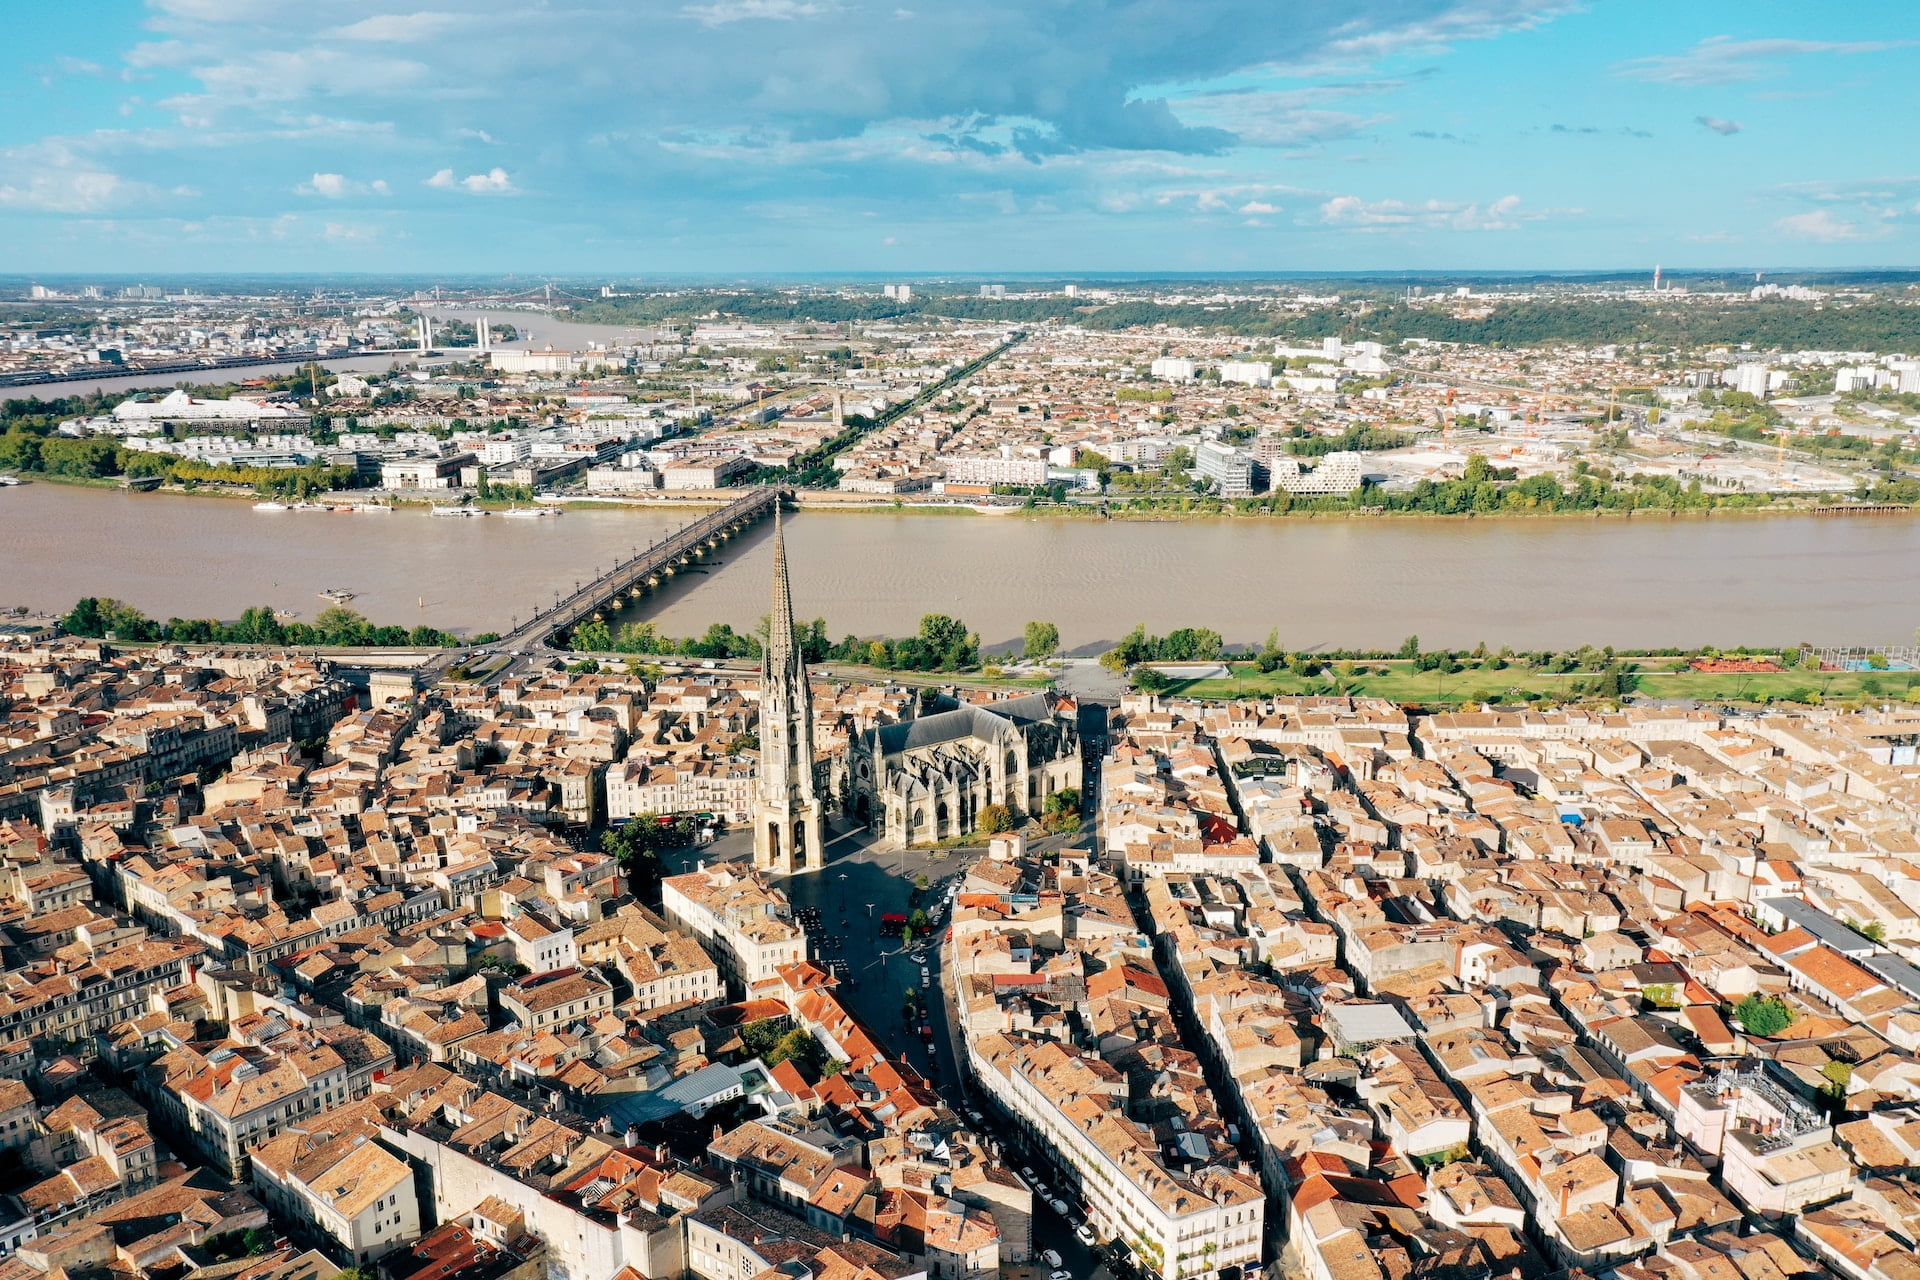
column 645, row 569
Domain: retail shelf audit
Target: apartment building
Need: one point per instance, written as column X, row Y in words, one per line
column 745, row 924
column 343, row 1186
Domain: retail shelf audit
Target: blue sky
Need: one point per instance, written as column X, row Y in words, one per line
column 633, row 136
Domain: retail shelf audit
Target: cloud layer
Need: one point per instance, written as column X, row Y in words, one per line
column 830, row 133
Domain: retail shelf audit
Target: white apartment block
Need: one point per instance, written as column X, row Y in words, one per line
column 723, row 787
column 1336, row 473
column 1174, row 369
column 996, row 469
column 505, row 450
column 1182, row 1225
column 348, row 1188
column 744, row 924
column 1252, row 373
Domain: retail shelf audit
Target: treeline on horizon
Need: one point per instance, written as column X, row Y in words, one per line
column 1782, row 324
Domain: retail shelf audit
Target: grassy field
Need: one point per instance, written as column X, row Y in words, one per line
column 1657, row 678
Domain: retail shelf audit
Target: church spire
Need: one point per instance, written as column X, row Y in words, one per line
column 788, row 834
column 780, row 644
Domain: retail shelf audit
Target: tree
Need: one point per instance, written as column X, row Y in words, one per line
column 1065, row 800
column 1042, row 639
column 85, row 619
column 1839, row 1076
column 1410, row 647
column 337, row 624
column 1763, row 1017
column 939, row 632
column 994, row 819
column 637, row 845
column 592, row 637
column 1271, row 655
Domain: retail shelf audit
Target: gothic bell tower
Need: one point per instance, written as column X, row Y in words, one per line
column 787, row 830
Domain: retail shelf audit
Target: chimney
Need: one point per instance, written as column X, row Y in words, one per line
column 1566, row 1190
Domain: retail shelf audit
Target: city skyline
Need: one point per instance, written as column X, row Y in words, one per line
column 783, row 135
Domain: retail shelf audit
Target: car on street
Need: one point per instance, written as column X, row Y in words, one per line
column 1026, row 1171
column 1083, row 1233
column 1050, row 1257
column 1060, row 1273
column 1059, row 1206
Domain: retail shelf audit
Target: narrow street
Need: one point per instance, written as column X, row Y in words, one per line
column 859, row 883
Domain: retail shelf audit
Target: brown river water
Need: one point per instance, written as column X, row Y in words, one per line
column 1528, row 583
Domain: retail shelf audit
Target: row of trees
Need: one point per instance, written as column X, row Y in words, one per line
column 1186, row 644
column 941, row 644
column 25, row 449
column 102, row 618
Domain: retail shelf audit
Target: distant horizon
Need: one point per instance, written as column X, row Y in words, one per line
column 747, row 278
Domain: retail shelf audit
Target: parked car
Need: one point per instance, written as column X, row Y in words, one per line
column 1050, row 1257
column 1083, row 1233
column 1059, row 1206
column 1061, row 1274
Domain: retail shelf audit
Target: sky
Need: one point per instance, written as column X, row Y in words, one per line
column 627, row 137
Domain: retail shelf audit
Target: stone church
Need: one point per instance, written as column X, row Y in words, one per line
column 928, row 778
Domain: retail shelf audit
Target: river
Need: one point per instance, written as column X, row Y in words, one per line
column 1542, row 583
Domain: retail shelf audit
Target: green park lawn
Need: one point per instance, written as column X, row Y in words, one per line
column 1655, row 677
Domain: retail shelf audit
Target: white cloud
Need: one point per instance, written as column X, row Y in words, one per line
column 495, row 182
column 1725, row 128
column 69, row 191
column 399, row 28
column 721, row 12
column 1818, row 225
column 335, row 186
column 1067, row 76
column 1504, row 214
column 56, row 177
column 1721, row 60
column 1259, row 206
column 349, row 232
